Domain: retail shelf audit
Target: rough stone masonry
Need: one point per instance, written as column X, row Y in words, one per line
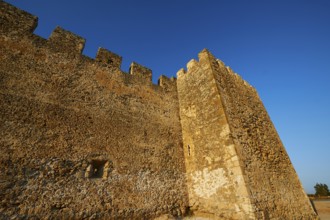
column 81, row 139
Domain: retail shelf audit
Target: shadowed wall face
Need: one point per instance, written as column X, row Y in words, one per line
column 273, row 183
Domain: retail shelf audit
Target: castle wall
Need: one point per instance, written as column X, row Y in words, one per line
column 80, row 138
column 274, row 187
column 215, row 179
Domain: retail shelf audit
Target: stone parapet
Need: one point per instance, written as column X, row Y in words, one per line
column 18, row 24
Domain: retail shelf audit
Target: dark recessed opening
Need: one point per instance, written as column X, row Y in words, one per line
column 188, row 150
column 97, row 168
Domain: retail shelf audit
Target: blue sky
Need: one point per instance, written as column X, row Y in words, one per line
column 280, row 47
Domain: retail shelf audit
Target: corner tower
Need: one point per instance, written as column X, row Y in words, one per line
column 216, row 183
column 237, row 167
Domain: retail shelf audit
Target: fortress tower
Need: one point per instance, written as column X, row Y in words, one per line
column 80, row 138
column 236, row 165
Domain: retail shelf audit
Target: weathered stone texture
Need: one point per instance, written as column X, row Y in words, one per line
column 215, row 179
column 63, row 114
column 140, row 71
column 236, row 164
column 80, row 138
column 15, row 21
column 273, row 183
column 107, row 58
column 63, row 41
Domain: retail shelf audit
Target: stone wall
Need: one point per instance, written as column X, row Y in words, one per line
column 274, row 187
column 216, row 184
column 237, row 167
column 79, row 137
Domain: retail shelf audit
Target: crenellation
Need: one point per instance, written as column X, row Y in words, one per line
column 229, row 70
column 108, row 58
column 192, row 64
column 63, row 41
column 38, row 41
column 181, row 72
column 238, row 77
column 14, row 21
column 221, row 63
column 169, row 84
column 207, row 60
column 17, row 22
column 140, row 71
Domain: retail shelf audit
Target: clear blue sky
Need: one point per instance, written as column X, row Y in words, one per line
column 281, row 47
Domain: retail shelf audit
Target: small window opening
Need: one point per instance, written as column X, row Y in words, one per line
column 188, row 150
column 96, row 169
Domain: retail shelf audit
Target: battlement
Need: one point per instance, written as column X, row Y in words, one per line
column 63, row 41
column 141, row 71
column 167, row 83
column 237, row 76
column 108, row 58
column 18, row 24
column 207, row 60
